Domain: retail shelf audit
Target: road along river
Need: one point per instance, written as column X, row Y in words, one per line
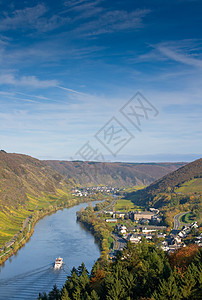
column 31, row 271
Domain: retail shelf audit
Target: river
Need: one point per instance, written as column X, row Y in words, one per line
column 31, row 271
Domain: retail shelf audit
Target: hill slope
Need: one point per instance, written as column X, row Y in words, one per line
column 185, row 181
column 116, row 174
column 28, row 189
column 21, row 175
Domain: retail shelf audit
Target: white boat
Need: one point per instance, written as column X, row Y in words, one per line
column 58, row 263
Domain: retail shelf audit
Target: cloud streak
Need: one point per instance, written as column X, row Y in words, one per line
column 71, row 91
column 19, row 18
column 31, row 18
column 180, row 57
column 114, row 21
column 184, row 52
column 30, row 81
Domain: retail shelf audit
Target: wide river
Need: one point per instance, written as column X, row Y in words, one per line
column 31, row 271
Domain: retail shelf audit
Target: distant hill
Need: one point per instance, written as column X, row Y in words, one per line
column 116, row 174
column 185, row 181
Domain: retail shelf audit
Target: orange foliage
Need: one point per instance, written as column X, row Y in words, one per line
column 182, row 257
column 97, row 278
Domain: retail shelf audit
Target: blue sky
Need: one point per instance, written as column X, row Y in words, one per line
column 68, row 67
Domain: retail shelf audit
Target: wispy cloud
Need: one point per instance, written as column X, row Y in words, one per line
column 30, row 81
column 31, row 17
column 19, row 18
column 113, row 21
column 40, row 97
column 82, row 5
column 186, row 52
column 83, row 9
column 70, row 90
column 33, row 82
column 176, row 55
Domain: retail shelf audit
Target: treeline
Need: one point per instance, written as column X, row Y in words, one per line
column 100, row 229
column 140, row 272
column 101, row 205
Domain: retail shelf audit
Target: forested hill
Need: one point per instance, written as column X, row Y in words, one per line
column 185, row 180
column 139, row 272
column 116, row 174
column 21, row 175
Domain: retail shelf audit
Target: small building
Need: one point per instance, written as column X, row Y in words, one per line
column 143, row 215
column 194, row 225
column 139, row 215
column 110, row 212
column 148, row 236
column 145, row 230
column 121, row 227
column 161, row 235
column 154, row 210
column 134, row 238
column 120, row 215
column 111, row 220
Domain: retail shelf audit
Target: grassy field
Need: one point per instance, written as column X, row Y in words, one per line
column 134, row 188
column 191, row 186
column 125, row 205
column 187, row 218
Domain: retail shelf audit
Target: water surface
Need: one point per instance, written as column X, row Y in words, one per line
column 31, row 271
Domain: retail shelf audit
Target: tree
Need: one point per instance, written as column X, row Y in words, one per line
column 42, row 296
column 168, row 290
column 188, row 282
column 54, row 294
column 94, row 295
column 114, row 286
column 64, row 294
column 182, row 257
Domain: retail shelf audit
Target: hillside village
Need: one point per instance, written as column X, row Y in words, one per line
column 148, row 225
column 89, row 191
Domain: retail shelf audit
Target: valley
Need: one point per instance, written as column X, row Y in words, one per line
column 165, row 214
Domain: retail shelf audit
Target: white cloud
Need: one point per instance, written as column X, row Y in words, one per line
column 72, row 123
column 186, row 52
column 113, row 21
column 34, row 82
column 70, row 90
column 81, row 5
column 26, row 16
column 176, row 55
column 31, row 17
column 30, row 81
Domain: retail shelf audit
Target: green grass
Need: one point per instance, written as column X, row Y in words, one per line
column 112, row 225
column 187, row 218
column 125, row 205
column 110, row 242
column 134, row 188
column 191, row 186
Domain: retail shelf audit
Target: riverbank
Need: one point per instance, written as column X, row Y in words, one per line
column 24, row 275
column 23, row 236
column 100, row 229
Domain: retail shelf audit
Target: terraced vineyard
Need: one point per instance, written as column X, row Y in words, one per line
column 12, row 219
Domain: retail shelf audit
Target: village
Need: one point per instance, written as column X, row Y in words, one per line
column 147, row 225
column 89, row 191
